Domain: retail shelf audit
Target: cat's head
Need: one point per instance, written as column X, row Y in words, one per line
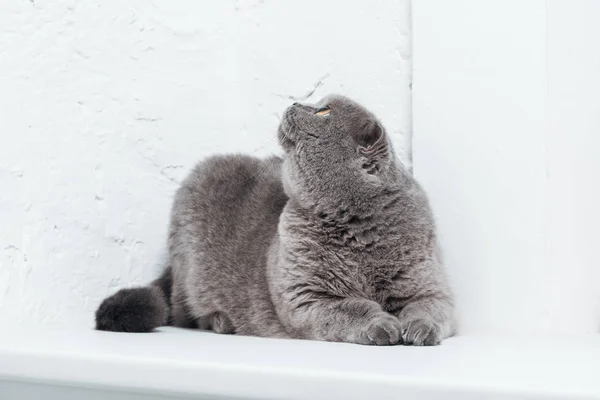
column 337, row 152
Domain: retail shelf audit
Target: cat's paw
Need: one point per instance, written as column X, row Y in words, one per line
column 222, row 324
column 420, row 332
column 383, row 330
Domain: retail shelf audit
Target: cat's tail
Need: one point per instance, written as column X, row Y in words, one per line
column 137, row 309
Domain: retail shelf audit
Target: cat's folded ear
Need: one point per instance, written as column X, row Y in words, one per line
column 369, row 135
column 372, row 145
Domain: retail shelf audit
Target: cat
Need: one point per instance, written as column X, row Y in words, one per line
column 334, row 242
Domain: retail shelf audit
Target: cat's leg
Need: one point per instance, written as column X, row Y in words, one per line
column 216, row 321
column 221, row 323
column 181, row 315
column 335, row 319
column 423, row 303
column 427, row 321
column 202, row 305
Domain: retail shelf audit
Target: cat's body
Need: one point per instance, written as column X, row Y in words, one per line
column 335, row 243
column 224, row 219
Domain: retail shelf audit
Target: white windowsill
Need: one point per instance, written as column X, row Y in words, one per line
column 173, row 362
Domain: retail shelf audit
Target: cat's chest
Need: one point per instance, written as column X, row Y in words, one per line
column 370, row 267
column 391, row 274
column 371, row 275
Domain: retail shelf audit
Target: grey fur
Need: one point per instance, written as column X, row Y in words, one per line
column 335, row 242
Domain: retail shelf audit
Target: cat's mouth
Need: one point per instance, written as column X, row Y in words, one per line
column 288, row 128
column 291, row 128
column 286, row 131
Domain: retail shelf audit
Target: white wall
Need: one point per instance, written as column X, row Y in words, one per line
column 573, row 147
column 506, row 138
column 105, row 105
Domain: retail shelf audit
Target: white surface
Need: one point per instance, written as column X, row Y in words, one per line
column 185, row 362
column 506, row 123
column 106, row 105
column 573, row 149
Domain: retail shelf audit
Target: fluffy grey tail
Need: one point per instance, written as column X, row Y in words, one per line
column 137, row 309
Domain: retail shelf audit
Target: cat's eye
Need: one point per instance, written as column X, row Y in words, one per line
column 323, row 111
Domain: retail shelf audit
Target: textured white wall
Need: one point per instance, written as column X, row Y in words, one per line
column 104, row 106
column 506, row 139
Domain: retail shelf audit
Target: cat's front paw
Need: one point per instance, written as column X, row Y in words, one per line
column 420, row 332
column 383, row 330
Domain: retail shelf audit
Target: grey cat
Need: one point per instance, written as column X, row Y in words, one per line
column 336, row 242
